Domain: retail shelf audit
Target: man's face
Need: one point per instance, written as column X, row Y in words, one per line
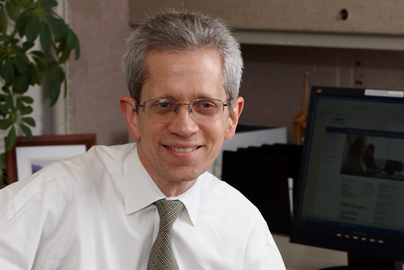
column 175, row 153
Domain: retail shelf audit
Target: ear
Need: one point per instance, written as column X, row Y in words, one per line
column 128, row 108
column 238, row 106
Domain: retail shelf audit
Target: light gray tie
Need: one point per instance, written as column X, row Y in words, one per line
column 161, row 255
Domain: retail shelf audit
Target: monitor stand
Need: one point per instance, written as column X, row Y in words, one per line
column 359, row 262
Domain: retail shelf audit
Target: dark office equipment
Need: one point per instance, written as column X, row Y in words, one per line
column 392, row 166
column 263, row 180
column 291, row 152
column 356, row 213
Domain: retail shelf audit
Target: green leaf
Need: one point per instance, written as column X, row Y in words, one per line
column 36, row 74
column 21, row 84
column 23, row 2
column 3, row 110
column 3, row 37
column 32, row 29
column 26, row 99
column 38, row 53
column 71, row 39
column 27, row 45
column 13, row 10
column 26, row 110
column 26, row 130
column 1, row 63
column 45, row 37
column 8, row 70
column 57, row 26
column 14, row 41
column 40, row 64
column 3, row 21
column 54, row 74
column 6, row 88
column 77, row 50
column 54, row 91
column 3, row 162
column 9, row 101
column 5, row 124
column 11, row 139
column 18, row 104
column 22, row 22
column 65, row 56
column 21, row 55
column 19, row 64
column 29, row 120
column 49, row 58
column 49, row 3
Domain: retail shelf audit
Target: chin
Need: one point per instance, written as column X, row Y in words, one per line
column 185, row 174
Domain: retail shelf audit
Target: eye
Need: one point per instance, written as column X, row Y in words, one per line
column 206, row 105
column 163, row 104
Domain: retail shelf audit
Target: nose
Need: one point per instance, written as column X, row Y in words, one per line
column 183, row 125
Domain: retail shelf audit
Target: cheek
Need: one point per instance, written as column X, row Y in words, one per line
column 217, row 133
column 151, row 133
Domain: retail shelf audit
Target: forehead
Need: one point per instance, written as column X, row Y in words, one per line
column 196, row 73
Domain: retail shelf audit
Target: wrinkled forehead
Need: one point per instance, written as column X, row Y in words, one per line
column 158, row 63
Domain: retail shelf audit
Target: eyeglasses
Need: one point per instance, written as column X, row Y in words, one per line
column 200, row 110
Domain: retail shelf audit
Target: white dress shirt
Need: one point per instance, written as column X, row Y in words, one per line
column 95, row 211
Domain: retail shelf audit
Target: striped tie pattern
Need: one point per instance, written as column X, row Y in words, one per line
column 161, row 255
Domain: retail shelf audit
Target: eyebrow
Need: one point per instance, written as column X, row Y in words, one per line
column 169, row 97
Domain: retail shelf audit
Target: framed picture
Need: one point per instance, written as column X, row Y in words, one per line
column 30, row 155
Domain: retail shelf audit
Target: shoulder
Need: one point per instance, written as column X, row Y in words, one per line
column 37, row 193
column 109, row 158
column 226, row 198
column 233, row 215
column 65, row 180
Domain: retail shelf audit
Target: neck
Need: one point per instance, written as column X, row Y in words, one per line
column 174, row 189
column 170, row 186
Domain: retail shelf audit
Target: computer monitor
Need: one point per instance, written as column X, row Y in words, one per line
column 346, row 200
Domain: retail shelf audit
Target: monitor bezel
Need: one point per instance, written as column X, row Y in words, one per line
column 387, row 246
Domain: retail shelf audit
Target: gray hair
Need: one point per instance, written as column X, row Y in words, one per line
column 181, row 31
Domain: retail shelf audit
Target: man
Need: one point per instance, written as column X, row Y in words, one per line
column 369, row 158
column 149, row 205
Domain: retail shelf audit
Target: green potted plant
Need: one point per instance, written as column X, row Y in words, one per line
column 22, row 22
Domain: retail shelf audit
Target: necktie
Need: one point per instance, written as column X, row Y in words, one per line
column 161, row 254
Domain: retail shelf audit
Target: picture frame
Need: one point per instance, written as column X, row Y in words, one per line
column 29, row 155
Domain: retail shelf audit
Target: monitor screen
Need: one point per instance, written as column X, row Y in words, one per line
column 350, row 195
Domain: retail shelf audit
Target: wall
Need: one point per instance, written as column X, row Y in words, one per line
column 273, row 77
column 272, row 81
column 363, row 16
column 96, row 80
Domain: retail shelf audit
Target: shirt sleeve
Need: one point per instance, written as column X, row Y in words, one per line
column 31, row 224
column 262, row 252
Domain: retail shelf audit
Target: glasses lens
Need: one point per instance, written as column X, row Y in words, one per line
column 159, row 110
column 205, row 110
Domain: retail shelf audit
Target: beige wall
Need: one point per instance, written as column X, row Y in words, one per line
column 364, row 16
column 97, row 81
column 273, row 77
column 272, row 80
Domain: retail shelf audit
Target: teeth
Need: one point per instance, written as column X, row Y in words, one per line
column 182, row 150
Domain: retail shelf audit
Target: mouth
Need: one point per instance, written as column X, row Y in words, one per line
column 182, row 149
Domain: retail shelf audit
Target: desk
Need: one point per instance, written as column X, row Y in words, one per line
column 301, row 257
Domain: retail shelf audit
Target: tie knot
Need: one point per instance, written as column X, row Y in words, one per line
column 168, row 211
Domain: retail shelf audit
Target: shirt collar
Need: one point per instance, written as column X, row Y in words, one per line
column 141, row 191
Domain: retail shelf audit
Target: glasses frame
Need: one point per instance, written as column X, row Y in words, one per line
column 176, row 108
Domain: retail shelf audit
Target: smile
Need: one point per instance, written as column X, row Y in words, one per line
column 182, row 150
